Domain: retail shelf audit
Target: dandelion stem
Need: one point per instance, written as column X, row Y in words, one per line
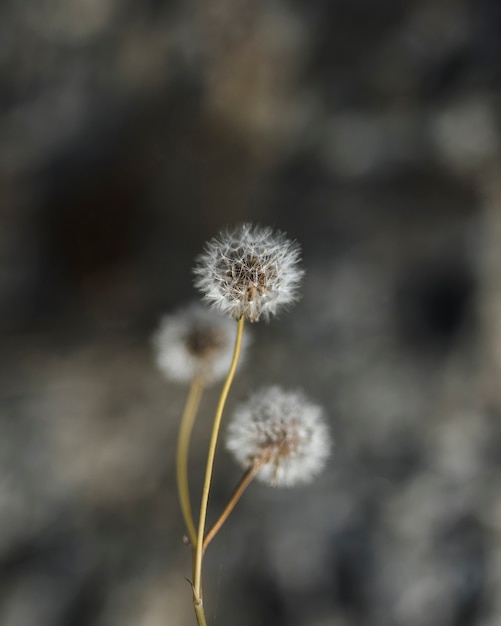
column 197, row 559
column 235, row 497
column 183, row 443
column 199, row 613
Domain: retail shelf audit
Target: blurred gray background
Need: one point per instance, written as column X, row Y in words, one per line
column 130, row 133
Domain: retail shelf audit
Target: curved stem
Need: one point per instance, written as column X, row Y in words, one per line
column 197, row 560
column 235, row 497
column 183, row 443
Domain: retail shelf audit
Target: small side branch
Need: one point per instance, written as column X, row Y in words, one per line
column 235, row 497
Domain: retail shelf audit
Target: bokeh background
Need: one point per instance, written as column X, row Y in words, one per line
column 130, row 132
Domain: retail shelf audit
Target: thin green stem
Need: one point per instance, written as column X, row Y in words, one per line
column 235, row 497
column 199, row 613
column 183, row 444
column 197, row 559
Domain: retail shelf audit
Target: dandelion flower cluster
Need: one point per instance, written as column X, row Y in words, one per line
column 284, row 432
column 195, row 341
column 249, row 272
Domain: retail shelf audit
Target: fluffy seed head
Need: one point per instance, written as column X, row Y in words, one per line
column 249, row 272
column 195, row 341
column 285, row 431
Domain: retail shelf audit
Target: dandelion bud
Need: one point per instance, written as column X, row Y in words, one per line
column 284, row 433
column 249, row 272
column 195, row 341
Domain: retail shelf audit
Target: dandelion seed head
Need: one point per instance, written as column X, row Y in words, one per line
column 196, row 341
column 285, row 431
column 249, row 272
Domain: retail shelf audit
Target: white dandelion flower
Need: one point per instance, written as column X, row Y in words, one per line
column 249, row 272
column 284, row 432
column 196, row 341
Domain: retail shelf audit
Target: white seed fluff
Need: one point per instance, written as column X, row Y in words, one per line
column 283, row 429
column 196, row 341
column 249, row 272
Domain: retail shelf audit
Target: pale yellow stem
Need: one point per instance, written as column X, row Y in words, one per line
column 197, row 560
column 183, row 444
